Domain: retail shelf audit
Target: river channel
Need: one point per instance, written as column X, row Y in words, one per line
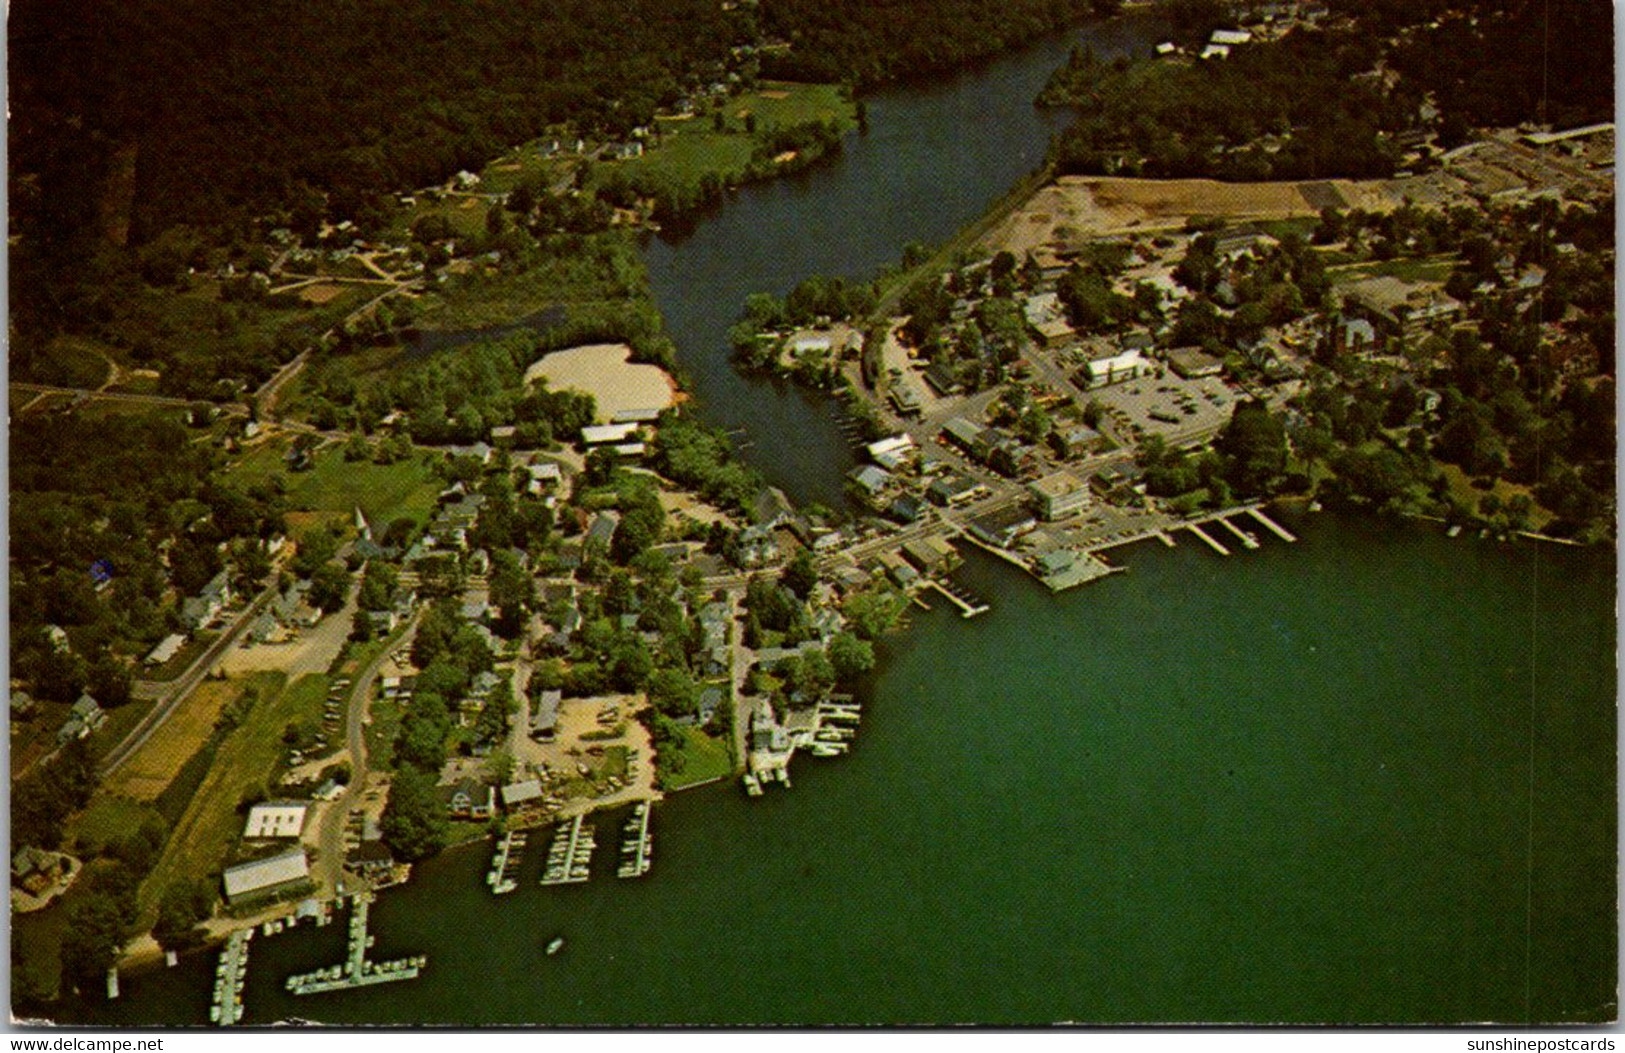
column 1365, row 777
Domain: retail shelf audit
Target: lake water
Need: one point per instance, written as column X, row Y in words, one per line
column 1366, row 777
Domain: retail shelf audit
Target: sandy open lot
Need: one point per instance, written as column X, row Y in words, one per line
column 1074, row 207
column 602, row 371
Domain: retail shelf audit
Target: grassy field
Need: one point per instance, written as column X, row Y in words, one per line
column 704, row 758
column 691, row 147
column 1417, row 269
column 334, row 487
column 108, row 818
column 75, row 362
column 247, row 762
column 144, row 776
column 1463, row 490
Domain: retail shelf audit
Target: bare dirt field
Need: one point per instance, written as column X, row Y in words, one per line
column 1079, row 206
column 602, row 371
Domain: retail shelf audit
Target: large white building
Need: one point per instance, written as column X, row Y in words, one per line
column 266, row 877
column 1059, row 495
column 1116, row 368
column 272, row 819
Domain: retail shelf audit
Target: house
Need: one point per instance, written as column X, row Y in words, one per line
column 757, row 545
column 471, row 799
column 167, row 648
column 517, row 795
column 1355, row 336
column 1001, row 528
column 771, row 507
column 904, row 398
column 34, row 870
column 1230, row 37
column 371, row 859
column 201, row 610
column 22, row 703
column 544, row 715
column 964, row 434
column 609, row 434
column 543, row 476
column 1059, row 495
column 1075, row 441
column 268, row 878
column 264, row 628
column 940, row 376
column 710, row 702
column 275, row 819
column 906, row 508
column 602, row 529
column 85, row 717
column 955, row 489
column 870, row 480
column 899, row 570
column 58, row 638
column 894, row 452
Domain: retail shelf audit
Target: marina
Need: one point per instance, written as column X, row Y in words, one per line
column 1196, row 529
column 637, row 849
column 356, row 970
column 229, row 976
column 570, row 855
column 969, row 606
column 1247, row 540
column 1271, row 525
column 505, row 864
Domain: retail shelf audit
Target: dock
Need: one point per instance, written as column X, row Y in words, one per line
column 969, row 606
column 229, row 976
column 570, row 855
column 636, row 850
column 753, row 785
column 1271, row 525
column 505, row 864
column 356, row 970
column 1205, row 536
column 1247, row 540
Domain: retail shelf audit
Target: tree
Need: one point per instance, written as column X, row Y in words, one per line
column 328, row 586
column 673, row 692
column 850, row 656
column 414, row 824
column 801, row 573
column 1253, row 445
column 95, row 932
column 183, row 906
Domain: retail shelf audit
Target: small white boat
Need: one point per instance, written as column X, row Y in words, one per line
column 555, row 944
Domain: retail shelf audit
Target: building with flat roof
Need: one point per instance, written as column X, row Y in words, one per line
column 1059, row 494
column 267, row 878
column 273, row 819
column 1114, row 369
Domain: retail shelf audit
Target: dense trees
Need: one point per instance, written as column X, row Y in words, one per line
column 414, row 823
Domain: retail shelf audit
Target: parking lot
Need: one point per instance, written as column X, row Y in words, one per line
column 1181, row 411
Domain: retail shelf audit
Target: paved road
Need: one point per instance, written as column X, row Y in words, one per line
column 330, row 841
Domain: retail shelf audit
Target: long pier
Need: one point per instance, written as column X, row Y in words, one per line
column 356, row 970
column 570, row 854
column 969, row 606
column 635, row 852
column 500, row 877
column 1271, row 525
column 1196, row 529
column 1247, row 540
column 229, row 977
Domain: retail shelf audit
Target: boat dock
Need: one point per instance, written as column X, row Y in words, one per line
column 229, row 976
column 1247, row 540
column 356, row 970
column 636, row 850
column 505, row 864
column 1196, row 529
column 969, row 606
column 1271, row 525
column 570, row 854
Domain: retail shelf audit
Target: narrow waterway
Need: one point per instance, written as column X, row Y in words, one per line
column 936, row 156
column 1366, row 777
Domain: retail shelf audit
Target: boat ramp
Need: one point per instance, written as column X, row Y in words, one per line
column 229, row 977
column 356, row 970
column 637, row 849
column 569, row 857
column 505, row 864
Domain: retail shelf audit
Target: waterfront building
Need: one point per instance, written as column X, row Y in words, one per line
column 268, row 878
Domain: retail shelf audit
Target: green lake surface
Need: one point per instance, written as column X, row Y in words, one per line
column 1364, row 777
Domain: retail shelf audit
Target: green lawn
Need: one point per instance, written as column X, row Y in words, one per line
column 1435, row 268
column 704, row 758
column 108, row 819
column 334, row 487
column 692, row 147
